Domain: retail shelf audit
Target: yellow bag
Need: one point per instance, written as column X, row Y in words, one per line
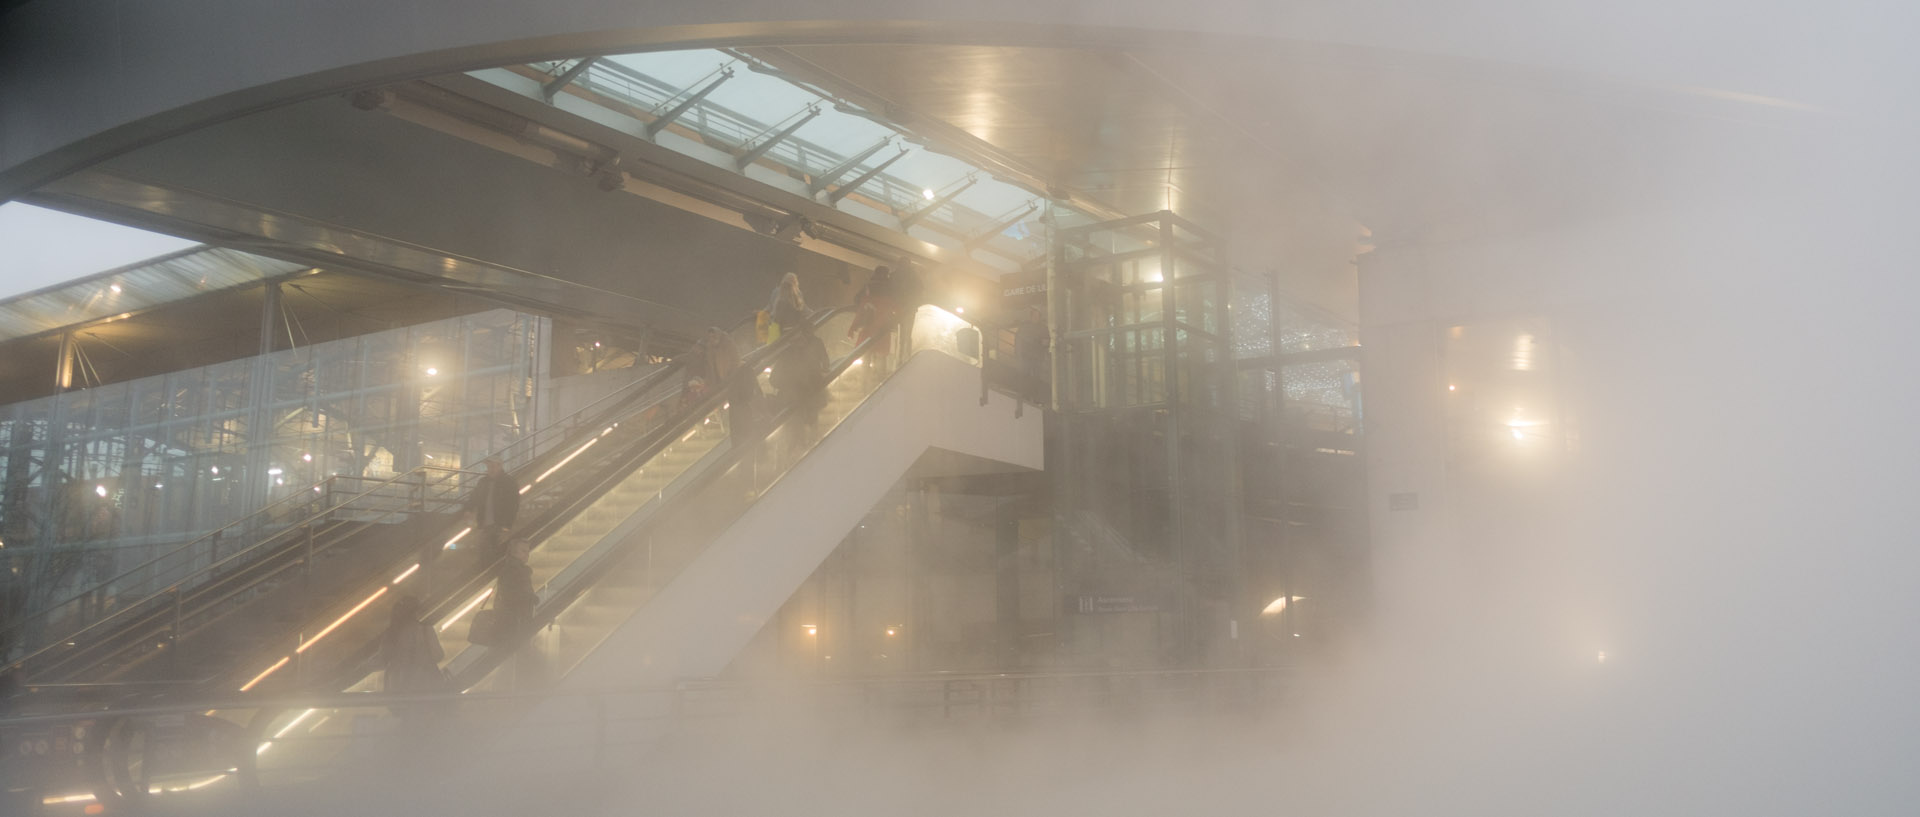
column 764, row 329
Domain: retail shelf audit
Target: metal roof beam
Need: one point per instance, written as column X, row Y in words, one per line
column 844, row 190
column 665, row 119
column 834, row 173
column 910, row 219
column 998, row 227
column 552, row 89
column 761, row 149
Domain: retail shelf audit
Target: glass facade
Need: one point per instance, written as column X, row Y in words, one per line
column 120, row 470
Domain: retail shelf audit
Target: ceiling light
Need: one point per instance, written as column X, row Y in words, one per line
column 928, row 194
column 115, row 288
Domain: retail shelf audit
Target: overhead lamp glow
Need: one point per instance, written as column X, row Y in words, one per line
column 927, row 194
column 306, row 457
column 101, row 490
column 115, row 288
column 431, row 371
column 274, row 472
column 1279, row 605
column 811, row 629
column 959, row 310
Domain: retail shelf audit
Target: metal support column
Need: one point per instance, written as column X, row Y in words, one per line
column 259, row 436
column 63, row 365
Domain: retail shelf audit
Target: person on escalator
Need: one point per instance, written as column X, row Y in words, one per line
column 789, row 307
column 876, row 315
column 743, row 393
column 800, row 375
column 410, row 652
column 513, row 593
column 492, row 506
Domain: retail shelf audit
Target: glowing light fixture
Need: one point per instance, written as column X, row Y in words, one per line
column 463, row 532
column 101, row 490
column 115, row 288
column 306, row 457
column 811, row 629
column 405, row 573
column 465, row 610
column 927, row 194
column 263, row 675
column 1451, row 387
column 431, row 371
column 557, row 465
column 341, row 620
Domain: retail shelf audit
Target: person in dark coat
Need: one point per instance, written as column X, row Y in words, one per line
column 723, row 370
column 877, row 316
column 800, row 375
column 514, row 596
column 492, row 507
column 410, row 652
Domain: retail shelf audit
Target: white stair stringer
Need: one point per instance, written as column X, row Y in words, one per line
column 695, row 625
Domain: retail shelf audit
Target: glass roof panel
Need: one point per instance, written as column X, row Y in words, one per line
column 136, row 287
column 47, row 247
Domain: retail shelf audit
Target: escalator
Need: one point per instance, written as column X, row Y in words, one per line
column 666, row 569
column 662, row 542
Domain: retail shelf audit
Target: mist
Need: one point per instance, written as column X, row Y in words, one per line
column 1704, row 600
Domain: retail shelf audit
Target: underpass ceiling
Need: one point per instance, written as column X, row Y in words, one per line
column 1293, row 150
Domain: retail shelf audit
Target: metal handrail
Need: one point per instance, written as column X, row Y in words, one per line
column 557, row 600
column 663, row 437
column 175, row 585
column 302, row 494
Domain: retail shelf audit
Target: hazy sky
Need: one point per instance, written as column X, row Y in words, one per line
column 48, row 247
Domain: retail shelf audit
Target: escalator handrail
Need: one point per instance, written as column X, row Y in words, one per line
column 128, row 609
column 556, row 600
column 656, row 442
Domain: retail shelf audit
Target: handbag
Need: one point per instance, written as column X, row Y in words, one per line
column 488, row 628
